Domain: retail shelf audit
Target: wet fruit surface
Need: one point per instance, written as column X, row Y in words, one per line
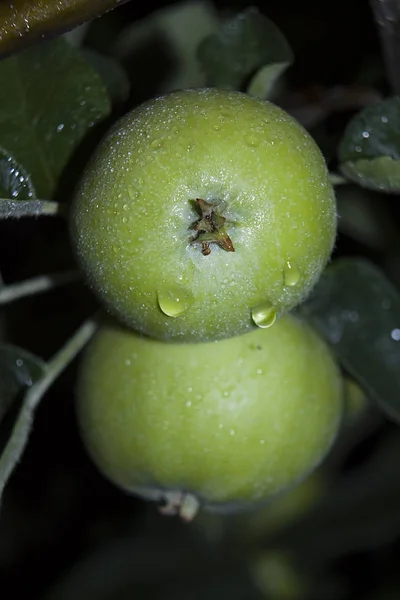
column 265, row 234
column 229, row 422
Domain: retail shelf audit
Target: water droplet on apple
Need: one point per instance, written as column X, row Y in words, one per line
column 291, row 274
column 155, row 144
column 252, row 141
column 264, row 315
column 174, row 300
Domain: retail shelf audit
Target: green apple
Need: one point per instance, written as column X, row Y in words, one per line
column 222, row 424
column 203, row 214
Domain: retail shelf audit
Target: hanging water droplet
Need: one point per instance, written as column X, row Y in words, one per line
column 395, row 335
column 252, row 141
column 291, row 274
column 264, row 315
column 174, row 300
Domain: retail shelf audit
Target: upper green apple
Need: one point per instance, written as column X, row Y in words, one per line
column 203, row 214
column 225, row 423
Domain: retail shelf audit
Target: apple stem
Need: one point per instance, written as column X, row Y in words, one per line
column 180, row 503
column 210, row 228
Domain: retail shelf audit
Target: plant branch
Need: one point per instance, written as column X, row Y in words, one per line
column 36, row 285
column 24, row 22
column 23, row 425
column 12, row 209
column 338, row 179
column 387, row 17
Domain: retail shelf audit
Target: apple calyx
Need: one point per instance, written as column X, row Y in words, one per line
column 210, row 228
column 180, row 503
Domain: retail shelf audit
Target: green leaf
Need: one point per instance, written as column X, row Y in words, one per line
column 357, row 310
column 19, row 369
column 113, row 75
column 49, row 99
column 381, row 174
column 160, row 51
column 15, row 182
column 241, row 48
column 369, row 153
column 364, row 219
column 264, row 82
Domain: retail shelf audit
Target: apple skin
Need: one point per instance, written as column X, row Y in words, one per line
column 230, row 422
column 131, row 217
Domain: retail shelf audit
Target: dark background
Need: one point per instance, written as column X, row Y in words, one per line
column 57, row 510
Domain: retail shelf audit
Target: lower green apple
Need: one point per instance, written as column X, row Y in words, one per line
column 221, row 424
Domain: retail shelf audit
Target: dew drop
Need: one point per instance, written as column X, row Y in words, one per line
column 188, row 404
column 291, row 274
column 231, row 432
column 252, row 141
column 217, row 127
column 174, row 300
column 262, row 442
column 124, row 220
column 125, row 207
column 264, row 315
column 384, row 119
column 155, row 144
column 395, row 335
column 60, row 127
column 365, row 134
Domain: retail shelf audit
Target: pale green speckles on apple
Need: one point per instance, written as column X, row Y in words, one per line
column 278, row 204
column 227, row 422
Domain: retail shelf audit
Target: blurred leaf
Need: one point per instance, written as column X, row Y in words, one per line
column 159, row 52
column 18, row 369
column 360, row 513
column 364, row 219
column 381, row 174
column 49, row 99
column 356, row 401
column 25, row 21
column 241, row 49
column 113, row 75
column 357, row 310
column 14, row 180
column 263, row 84
column 369, row 152
column 276, row 576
